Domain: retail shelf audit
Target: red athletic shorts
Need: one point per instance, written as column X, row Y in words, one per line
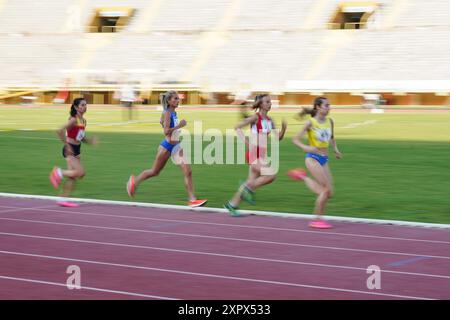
column 254, row 153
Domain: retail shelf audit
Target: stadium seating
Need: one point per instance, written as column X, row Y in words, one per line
column 221, row 43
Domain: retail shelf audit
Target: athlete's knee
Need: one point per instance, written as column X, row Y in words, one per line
column 327, row 192
column 153, row 173
column 271, row 178
column 250, row 184
column 148, row 174
column 319, row 190
column 330, row 192
column 188, row 172
column 80, row 173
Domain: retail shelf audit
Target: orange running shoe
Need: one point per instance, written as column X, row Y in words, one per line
column 131, row 187
column 196, row 203
column 297, row 174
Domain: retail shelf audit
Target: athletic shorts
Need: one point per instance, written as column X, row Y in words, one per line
column 253, row 154
column 321, row 159
column 76, row 149
column 172, row 148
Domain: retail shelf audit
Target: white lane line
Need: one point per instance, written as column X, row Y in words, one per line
column 214, row 254
column 87, row 288
column 221, row 210
column 210, row 275
column 18, row 209
column 226, row 238
column 358, row 124
column 56, row 140
column 122, row 123
column 34, row 138
column 232, row 225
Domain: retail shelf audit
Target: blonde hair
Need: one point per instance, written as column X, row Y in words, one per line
column 165, row 97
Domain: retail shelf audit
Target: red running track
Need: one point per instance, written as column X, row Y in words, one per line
column 147, row 253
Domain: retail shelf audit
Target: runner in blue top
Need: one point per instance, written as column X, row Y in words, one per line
column 170, row 146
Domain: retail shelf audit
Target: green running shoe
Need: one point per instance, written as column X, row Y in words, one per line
column 232, row 210
column 247, row 194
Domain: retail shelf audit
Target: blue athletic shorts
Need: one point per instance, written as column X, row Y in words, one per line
column 321, row 159
column 172, row 148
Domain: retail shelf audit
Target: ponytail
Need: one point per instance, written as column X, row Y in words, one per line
column 312, row 111
column 255, row 105
column 243, row 112
column 73, row 109
column 258, row 100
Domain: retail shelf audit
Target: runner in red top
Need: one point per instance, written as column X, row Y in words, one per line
column 72, row 134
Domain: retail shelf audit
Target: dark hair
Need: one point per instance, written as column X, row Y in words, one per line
column 76, row 102
column 312, row 111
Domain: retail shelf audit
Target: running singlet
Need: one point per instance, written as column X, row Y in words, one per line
column 319, row 135
column 173, row 122
column 173, row 119
column 77, row 132
column 262, row 125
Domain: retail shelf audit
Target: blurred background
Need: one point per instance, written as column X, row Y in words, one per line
column 384, row 65
column 211, row 49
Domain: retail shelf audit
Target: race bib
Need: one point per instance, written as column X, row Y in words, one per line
column 266, row 125
column 80, row 135
column 323, row 135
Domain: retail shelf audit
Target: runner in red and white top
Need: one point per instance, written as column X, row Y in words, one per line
column 261, row 126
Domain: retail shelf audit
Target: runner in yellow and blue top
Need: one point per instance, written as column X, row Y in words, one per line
column 170, row 146
column 320, row 132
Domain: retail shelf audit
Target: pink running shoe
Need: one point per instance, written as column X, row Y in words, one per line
column 68, row 204
column 131, row 188
column 297, row 174
column 54, row 177
column 320, row 224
